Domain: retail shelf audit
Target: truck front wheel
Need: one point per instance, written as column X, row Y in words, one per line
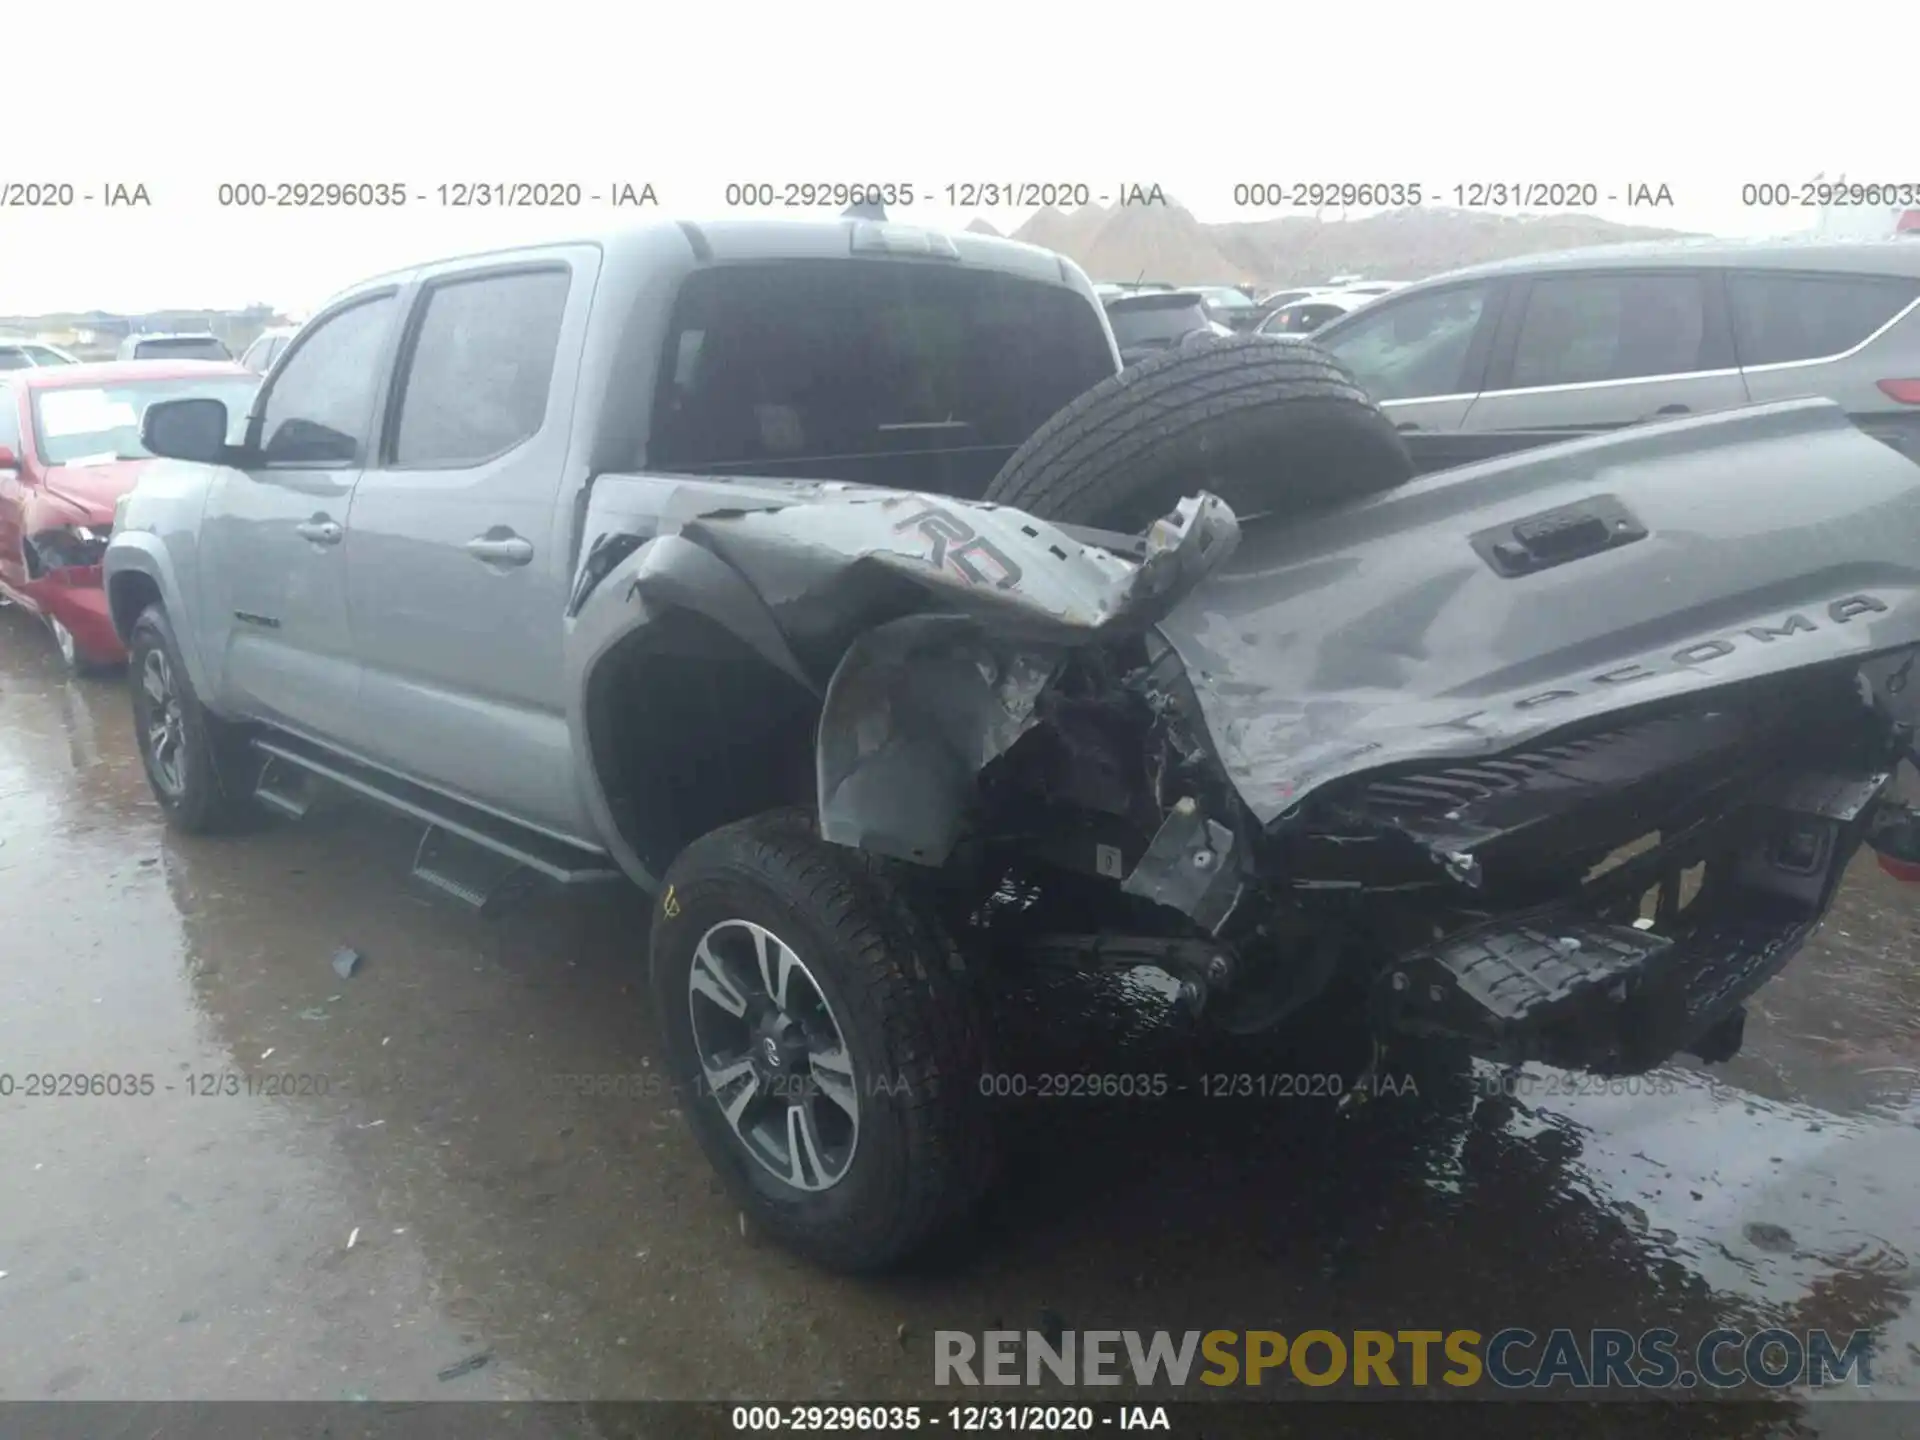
column 196, row 763
column 823, row 1039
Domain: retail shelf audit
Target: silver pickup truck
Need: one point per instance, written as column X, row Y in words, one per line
column 832, row 581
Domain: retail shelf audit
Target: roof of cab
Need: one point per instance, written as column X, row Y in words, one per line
column 734, row 240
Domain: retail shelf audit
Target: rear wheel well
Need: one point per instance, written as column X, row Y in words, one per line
column 131, row 593
column 689, row 728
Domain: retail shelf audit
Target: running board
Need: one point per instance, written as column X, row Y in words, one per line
column 473, row 875
column 284, row 788
column 441, row 860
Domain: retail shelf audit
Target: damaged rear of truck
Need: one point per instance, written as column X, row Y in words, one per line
column 1560, row 756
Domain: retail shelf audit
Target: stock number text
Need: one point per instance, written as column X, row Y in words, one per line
column 1813, row 194
column 807, row 194
column 1316, row 194
column 311, row 194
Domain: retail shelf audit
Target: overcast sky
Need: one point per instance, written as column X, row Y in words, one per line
column 1197, row 97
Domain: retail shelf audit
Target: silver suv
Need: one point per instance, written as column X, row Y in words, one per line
column 1596, row 339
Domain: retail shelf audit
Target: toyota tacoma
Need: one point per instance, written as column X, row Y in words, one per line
column 832, row 581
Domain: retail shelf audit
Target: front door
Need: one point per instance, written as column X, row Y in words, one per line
column 273, row 572
column 458, row 550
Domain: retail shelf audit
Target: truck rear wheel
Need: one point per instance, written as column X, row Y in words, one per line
column 823, row 1039
column 1268, row 425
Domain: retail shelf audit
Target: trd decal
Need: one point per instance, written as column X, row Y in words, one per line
column 955, row 545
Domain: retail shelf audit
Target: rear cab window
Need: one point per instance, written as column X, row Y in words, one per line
column 813, row 366
column 1781, row 318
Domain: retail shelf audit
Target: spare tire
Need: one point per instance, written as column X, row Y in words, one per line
column 1267, row 425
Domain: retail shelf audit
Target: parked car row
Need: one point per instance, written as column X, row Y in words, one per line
column 31, row 354
column 146, row 345
column 1226, row 309
column 1312, row 312
column 1495, row 357
column 1145, row 322
column 195, row 345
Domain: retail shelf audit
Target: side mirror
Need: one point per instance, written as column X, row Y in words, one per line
column 8, row 460
column 194, row 429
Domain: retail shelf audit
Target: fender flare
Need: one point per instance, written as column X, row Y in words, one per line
column 666, row 576
column 141, row 552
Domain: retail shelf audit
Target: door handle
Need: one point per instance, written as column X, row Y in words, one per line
column 1673, row 410
column 501, row 547
column 320, row 530
column 1405, row 425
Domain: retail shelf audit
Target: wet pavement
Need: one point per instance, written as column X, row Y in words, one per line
column 433, row 1214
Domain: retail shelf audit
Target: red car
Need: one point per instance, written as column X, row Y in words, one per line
column 69, row 448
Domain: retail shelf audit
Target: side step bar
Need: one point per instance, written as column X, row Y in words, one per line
column 466, row 853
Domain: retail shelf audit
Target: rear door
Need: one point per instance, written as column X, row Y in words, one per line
column 1854, row 339
column 1421, row 355
column 458, row 543
column 1601, row 349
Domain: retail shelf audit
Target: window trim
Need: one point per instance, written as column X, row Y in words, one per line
column 1716, row 336
column 1475, row 365
column 401, row 371
column 1841, row 277
column 256, row 418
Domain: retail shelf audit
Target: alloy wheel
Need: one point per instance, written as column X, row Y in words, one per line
column 773, row 1055
column 163, row 727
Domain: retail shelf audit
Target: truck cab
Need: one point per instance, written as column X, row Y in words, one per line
column 384, row 565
